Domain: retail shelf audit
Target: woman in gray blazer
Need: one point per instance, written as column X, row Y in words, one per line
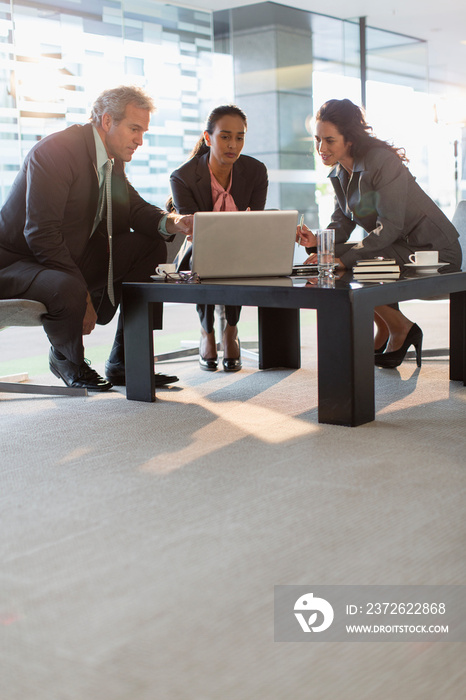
column 218, row 178
column 374, row 188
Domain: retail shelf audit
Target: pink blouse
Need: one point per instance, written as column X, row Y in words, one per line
column 221, row 198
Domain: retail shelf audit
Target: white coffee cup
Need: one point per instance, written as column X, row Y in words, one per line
column 424, row 257
column 165, row 268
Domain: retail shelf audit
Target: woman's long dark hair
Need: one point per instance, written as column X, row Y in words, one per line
column 223, row 111
column 351, row 123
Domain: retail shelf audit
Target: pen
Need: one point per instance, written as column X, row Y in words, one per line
column 301, row 222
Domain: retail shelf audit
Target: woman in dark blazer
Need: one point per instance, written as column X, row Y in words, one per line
column 218, row 178
column 374, row 188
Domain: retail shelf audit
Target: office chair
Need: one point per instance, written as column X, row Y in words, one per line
column 25, row 312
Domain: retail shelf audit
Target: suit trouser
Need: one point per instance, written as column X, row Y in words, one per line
column 207, row 315
column 135, row 258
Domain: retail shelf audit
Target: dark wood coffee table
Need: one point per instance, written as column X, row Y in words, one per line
column 344, row 330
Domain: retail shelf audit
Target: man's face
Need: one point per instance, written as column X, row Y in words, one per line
column 122, row 139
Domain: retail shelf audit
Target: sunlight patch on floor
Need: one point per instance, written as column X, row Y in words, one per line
column 76, row 455
column 231, row 421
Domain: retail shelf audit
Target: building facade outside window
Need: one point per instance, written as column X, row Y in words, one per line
column 277, row 63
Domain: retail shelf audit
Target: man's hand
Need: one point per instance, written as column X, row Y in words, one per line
column 90, row 317
column 177, row 223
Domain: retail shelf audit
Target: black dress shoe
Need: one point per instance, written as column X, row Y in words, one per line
column 74, row 375
column 390, row 360
column 208, row 364
column 115, row 373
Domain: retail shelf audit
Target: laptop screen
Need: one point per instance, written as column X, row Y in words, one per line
column 244, row 243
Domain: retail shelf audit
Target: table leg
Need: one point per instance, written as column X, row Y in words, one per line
column 279, row 338
column 139, row 349
column 458, row 337
column 346, row 363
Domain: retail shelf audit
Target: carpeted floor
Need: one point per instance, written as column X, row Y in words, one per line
column 141, row 543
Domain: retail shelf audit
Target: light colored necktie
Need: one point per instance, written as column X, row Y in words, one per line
column 107, row 197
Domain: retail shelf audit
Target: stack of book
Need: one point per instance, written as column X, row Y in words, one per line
column 376, row 269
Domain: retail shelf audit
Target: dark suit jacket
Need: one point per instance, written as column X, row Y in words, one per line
column 48, row 216
column 191, row 188
column 384, row 198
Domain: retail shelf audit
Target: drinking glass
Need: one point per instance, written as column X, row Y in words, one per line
column 325, row 251
column 326, row 280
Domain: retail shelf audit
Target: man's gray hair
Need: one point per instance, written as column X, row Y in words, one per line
column 115, row 101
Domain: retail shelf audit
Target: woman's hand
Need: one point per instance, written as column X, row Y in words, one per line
column 305, row 237
column 312, row 260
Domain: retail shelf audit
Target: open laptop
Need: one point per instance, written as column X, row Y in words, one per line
column 229, row 244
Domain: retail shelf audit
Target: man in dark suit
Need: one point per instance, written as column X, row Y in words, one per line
column 56, row 243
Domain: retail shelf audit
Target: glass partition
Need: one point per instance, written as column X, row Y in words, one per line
column 278, row 63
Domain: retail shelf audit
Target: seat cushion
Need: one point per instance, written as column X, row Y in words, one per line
column 21, row 312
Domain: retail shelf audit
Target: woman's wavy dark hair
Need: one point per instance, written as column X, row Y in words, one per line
column 223, row 111
column 350, row 121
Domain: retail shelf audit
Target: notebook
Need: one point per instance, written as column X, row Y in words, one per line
column 231, row 244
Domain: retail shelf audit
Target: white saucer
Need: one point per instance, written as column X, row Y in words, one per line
column 426, row 269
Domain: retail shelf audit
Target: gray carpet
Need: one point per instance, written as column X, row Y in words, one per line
column 141, row 543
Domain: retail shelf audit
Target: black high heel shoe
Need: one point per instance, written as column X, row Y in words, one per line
column 208, row 364
column 231, row 364
column 390, row 360
column 378, row 351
